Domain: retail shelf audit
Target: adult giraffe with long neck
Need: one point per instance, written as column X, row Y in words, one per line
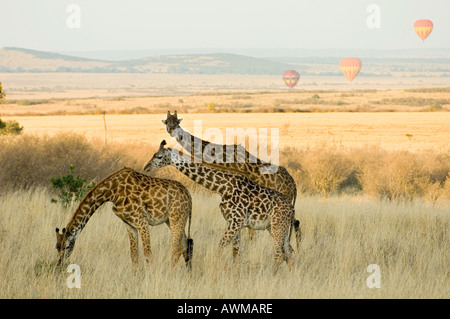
column 244, row 203
column 139, row 201
column 262, row 173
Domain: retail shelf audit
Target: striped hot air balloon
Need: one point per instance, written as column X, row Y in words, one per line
column 350, row 67
column 291, row 78
column 423, row 28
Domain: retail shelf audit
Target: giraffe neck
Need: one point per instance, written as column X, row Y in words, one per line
column 189, row 142
column 213, row 179
column 232, row 155
column 91, row 202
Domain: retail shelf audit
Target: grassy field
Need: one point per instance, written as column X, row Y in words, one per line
column 88, row 85
column 409, row 242
column 384, row 153
column 413, row 131
column 20, row 102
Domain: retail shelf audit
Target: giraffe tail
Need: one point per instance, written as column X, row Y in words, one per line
column 296, row 224
column 298, row 232
column 190, row 245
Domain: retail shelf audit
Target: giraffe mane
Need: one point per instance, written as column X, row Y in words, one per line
column 225, row 168
column 92, row 190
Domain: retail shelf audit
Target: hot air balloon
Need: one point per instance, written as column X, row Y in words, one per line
column 350, row 67
column 423, row 28
column 291, row 78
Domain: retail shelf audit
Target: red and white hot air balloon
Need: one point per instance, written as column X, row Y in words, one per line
column 350, row 67
column 423, row 28
column 291, row 78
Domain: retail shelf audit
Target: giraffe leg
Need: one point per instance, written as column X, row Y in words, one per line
column 236, row 247
column 282, row 248
column 288, row 250
column 278, row 248
column 133, row 236
column 145, row 235
column 251, row 234
column 177, row 245
column 230, row 234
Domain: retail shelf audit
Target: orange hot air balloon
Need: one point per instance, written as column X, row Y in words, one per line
column 423, row 28
column 350, row 67
column 291, row 78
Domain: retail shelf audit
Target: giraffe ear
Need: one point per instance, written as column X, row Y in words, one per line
column 179, row 120
column 161, row 146
column 164, row 121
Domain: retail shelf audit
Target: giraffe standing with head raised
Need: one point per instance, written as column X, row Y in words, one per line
column 274, row 177
column 244, row 203
column 139, row 201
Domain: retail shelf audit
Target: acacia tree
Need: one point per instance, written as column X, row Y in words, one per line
column 2, row 94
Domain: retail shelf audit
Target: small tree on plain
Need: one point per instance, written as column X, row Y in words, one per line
column 2, row 94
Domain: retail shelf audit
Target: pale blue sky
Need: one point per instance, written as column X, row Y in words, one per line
column 230, row 24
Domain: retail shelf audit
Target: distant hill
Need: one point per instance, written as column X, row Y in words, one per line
column 432, row 63
column 25, row 60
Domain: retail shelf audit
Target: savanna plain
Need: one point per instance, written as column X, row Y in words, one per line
column 372, row 168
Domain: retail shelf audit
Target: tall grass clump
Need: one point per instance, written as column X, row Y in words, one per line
column 327, row 170
column 30, row 160
column 403, row 175
column 321, row 170
column 392, row 175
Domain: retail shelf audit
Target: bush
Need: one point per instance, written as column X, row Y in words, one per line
column 10, row 127
column 398, row 175
column 71, row 189
column 327, row 170
column 30, row 160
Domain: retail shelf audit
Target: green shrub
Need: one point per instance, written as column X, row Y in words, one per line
column 70, row 188
column 10, row 127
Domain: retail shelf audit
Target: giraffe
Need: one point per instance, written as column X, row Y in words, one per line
column 139, row 201
column 244, row 203
column 243, row 162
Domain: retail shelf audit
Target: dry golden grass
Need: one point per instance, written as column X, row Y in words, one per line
column 342, row 236
column 30, row 161
column 87, row 85
column 412, row 131
column 235, row 101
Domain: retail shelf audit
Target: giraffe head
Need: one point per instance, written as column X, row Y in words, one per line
column 160, row 159
column 172, row 123
column 64, row 245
